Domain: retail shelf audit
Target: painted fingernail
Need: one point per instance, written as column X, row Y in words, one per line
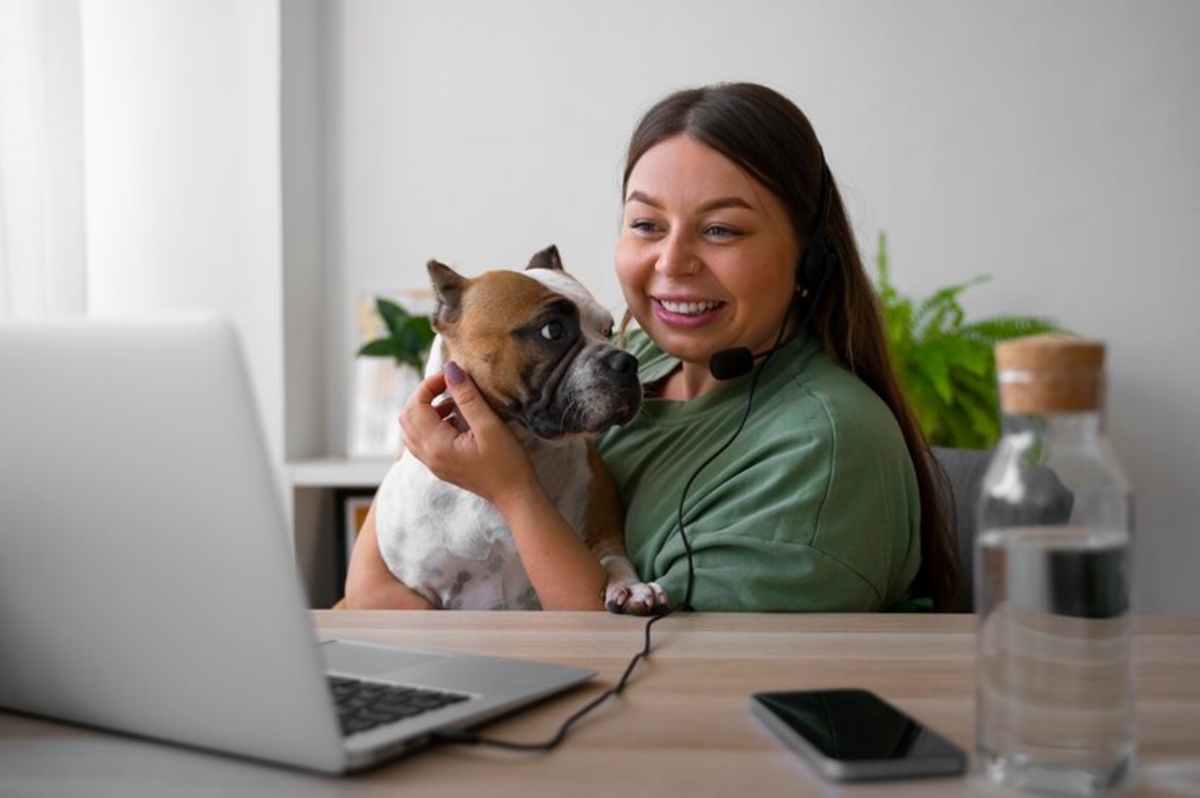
column 454, row 375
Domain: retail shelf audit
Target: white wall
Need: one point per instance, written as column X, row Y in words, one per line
column 183, row 201
column 1050, row 145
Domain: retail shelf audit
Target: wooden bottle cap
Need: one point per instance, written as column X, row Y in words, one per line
column 1049, row 374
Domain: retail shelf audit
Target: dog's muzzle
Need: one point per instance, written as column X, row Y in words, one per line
column 587, row 394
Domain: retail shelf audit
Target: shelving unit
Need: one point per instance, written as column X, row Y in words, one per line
column 319, row 489
column 334, row 472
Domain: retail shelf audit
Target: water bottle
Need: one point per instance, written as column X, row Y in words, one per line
column 1054, row 695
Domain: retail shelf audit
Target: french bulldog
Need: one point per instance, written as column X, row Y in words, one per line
column 537, row 344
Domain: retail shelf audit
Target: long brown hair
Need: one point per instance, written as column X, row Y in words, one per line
column 764, row 133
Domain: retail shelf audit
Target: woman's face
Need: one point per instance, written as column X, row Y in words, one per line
column 706, row 257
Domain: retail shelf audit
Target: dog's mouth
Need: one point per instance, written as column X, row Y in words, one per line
column 563, row 408
column 625, row 413
column 572, row 420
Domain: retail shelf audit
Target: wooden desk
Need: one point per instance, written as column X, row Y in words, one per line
column 682, row 728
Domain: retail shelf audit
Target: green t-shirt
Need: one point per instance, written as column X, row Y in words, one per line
column 814, row 507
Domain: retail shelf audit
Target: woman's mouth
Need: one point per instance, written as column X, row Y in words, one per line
column 686, row 312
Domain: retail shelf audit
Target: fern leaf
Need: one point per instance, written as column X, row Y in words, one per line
column 975, row 357
column 932, row 312
column 944, row 363
column 883, row 269
column 982, row 413
column 1001, row 328
column 932, row 368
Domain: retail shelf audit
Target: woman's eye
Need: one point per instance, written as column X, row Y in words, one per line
column 643, row 225
column 720, row 231
column 552, row 331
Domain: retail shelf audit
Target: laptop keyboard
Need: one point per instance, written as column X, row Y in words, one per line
column 363, row 705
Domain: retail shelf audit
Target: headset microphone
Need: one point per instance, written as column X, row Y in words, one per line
column 729, row 364
column 814, row 269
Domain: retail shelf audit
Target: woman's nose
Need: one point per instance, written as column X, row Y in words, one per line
column 676, row 257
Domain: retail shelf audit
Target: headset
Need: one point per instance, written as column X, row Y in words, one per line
column 816, row 264
column 812, row 273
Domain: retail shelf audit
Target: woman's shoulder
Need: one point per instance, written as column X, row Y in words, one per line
column 834, row 398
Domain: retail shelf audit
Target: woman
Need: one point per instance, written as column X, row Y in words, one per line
column 826, row 500
column 820, row 494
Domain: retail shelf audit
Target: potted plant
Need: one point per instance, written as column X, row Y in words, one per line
column 408, row 337
column 387, row 371
column 944, row 362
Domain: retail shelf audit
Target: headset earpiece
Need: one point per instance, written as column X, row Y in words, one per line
column 819, row 257
column 812, row 272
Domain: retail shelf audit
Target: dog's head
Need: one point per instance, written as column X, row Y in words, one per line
column 538, row 346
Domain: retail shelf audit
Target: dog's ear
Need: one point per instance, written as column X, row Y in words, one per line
column 546, row 259
column 448, row 286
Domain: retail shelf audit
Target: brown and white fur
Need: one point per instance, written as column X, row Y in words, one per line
column 537, row 345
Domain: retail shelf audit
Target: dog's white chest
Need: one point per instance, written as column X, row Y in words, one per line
column 454, row 548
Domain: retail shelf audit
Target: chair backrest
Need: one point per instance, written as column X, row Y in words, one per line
column 960, row 495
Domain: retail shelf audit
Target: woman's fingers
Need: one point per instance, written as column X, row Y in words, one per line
column 469, row 404
column 422, row 419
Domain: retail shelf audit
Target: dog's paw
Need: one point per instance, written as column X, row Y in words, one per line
column 636, row 598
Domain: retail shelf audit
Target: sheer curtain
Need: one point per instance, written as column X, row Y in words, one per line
column 42, row 245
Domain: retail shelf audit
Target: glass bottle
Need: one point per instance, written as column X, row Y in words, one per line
column 1054, row 696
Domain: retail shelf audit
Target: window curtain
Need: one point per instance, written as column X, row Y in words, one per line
column 42, row 242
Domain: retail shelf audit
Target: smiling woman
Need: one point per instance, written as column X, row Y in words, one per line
column 815, row 489
column 705, row 264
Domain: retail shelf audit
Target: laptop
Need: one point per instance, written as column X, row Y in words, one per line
column 148, row 583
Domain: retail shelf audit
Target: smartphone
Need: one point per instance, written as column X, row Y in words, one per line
column 854, row 735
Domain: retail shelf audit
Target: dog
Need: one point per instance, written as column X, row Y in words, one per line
column 537, row 345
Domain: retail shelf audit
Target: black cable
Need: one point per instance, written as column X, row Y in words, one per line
column 687, row 545
column 468, row 737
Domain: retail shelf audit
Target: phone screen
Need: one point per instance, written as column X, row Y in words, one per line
column 852, row 733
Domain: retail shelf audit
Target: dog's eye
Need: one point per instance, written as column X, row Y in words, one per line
column 552, row 331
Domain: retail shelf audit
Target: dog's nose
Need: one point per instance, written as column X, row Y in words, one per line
column 621, row 362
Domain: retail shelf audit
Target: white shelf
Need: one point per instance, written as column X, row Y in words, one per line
column 319, row 523
column 338, row 472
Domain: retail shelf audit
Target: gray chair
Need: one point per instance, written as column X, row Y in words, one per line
column 960, row 495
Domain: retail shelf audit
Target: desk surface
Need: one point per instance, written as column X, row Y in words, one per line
column 682, row 728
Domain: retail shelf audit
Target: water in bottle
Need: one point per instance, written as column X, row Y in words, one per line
column 1054, row 701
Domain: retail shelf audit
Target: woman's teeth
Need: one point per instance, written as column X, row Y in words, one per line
column 689, row 308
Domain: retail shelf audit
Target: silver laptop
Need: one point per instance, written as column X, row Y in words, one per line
column 147, row 578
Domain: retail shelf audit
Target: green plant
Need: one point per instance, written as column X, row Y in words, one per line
column 408, row 336
column 944, row 363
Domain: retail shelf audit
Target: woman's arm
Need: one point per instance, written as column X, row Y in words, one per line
column 487, row 460
column 369, row 583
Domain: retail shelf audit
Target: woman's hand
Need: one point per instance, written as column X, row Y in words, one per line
column 468, row 445
column 463, row 441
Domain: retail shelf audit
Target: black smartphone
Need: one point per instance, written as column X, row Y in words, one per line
column 854, row 735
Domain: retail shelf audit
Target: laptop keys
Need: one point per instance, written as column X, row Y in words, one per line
column 363, row 705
